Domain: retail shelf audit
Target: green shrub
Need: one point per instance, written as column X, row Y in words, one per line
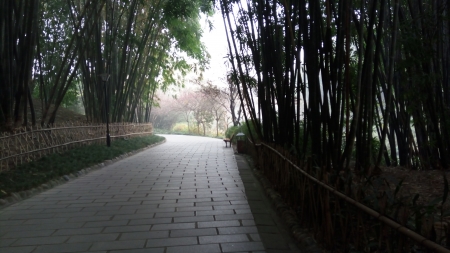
column 33, row 174
column 244, row 128
column 231, row 131
column 180, row 128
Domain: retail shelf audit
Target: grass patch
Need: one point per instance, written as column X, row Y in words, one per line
column 36, row 173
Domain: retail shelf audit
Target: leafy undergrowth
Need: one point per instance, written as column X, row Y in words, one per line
column 33, row 174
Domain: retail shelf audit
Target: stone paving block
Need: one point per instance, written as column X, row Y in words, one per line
column 144, row 235
column 214, row 212
column 154, row 209
column 150, row 221
column 230, row 198
column 13, row 211
column 175, row 205
column 79, row 231
column 193, row 219
column 72, row 215
column 121, row 211
column 175, row 241
column 108, row 223
column 214, row 203
column 111, row 200
column 210, row 248
column 89, row 218
column 218, row 224
column 40, row 240
column 193, row 232
column 45, row 221
column 238, row 230
column 148, row 250
column 75, row 201
column 95, row 197
column 174, row 214
column 125, row 203
column 223, row 238
column 194, row 208
column 7, row 223
column 238, row 202
column 227, row 191
column 165, row 188
column 243, row 211
column 181, row 191
column 101, row 208
column 93, row 238
column 241, row 246
column 23, row 249
column 194, row 200
column 45, row 226
column 196, row 195
column 116, row 245
column 27, row 233
column 32, row 216
column 223, row 217
column 129, row 228
column 133, row 216
column 235, row 207
column 4, row 242
column 148, row 198
column 173, row 226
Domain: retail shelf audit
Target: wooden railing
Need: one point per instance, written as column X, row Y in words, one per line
column 27, row 145
column 345, row 222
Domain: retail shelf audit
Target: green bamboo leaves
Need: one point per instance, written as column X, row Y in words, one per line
column 346, row 83
column 49, row 48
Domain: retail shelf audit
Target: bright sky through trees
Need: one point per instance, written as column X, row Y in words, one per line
column 216, row 43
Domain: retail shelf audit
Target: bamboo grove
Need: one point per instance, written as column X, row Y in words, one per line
column 345, row 81
column 56, row 50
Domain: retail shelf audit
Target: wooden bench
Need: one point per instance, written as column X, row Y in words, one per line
column 228, row 140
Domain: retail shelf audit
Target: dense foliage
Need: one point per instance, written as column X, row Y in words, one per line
column 58, row 49
column 53, row 166
column 345, row 81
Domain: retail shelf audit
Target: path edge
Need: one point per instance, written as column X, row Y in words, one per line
column 17, row 197
column 302, row 237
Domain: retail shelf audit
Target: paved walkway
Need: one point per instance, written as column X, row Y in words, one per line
column 186, row 195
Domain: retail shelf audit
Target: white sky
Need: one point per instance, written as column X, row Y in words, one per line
column 216, row 43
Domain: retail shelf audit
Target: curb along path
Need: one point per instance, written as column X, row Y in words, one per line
column 182, row 196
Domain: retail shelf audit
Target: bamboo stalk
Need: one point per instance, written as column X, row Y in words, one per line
column 400, row 229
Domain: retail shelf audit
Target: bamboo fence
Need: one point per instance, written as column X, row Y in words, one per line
column 343, row 222
column 26, row 145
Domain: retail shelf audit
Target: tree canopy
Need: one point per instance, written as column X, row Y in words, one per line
column 345, row 81
column 56, row 49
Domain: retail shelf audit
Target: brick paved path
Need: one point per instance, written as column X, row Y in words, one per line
column 182, row 196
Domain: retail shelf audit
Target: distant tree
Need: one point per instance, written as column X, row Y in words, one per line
column 47, row 47
column 341, row 81
column 218, row 101
column 234, row 103
column 165, row 112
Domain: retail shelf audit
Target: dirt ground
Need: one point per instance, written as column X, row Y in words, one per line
column 429, row 184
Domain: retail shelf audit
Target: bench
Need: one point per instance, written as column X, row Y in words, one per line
column 228, row 140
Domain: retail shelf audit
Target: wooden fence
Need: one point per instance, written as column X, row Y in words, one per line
column 345, row 222
column 27, row 145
